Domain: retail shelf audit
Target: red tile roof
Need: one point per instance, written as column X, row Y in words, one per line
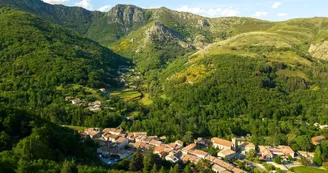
column 222, row 142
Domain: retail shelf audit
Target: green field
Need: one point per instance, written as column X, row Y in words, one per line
column 146, row 100
column 304, row 169
column 127, row 94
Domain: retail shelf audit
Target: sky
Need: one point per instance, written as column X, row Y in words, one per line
column 274, row 10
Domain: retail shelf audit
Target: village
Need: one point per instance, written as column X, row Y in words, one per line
column 115, row 145
column 128, row 79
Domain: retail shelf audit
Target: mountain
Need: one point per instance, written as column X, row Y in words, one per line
column 42, row 62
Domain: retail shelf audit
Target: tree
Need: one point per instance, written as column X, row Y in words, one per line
column 136, row 162
column 162, row 170
column 175, row 169
column 317, row 156
column 68, row 167
column 187, row 169
column 154, row 169
column 148, row 161
column 188, row 137
column 251, row 154
column 290, row 158
column 304, row 142
column 277, row 160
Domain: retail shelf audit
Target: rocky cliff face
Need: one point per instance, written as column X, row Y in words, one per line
column 159, row 32
column 126, row 15
column 319, row 50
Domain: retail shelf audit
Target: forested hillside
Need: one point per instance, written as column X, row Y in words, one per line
column 41, row 63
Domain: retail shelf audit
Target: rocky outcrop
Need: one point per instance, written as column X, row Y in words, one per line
column 319, row 50
column 203, row 23
column 159, row 32
column 126, row 15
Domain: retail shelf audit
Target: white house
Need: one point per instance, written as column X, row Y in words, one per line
column 221, row 143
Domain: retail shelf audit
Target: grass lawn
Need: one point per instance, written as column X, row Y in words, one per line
column 304, row 169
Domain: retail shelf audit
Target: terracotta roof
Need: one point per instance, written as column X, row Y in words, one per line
column 185, row 158
column 179, row 142
column 223, row 164
column 226, row 152
column 265, row 150
column 218, row 168
column 210, row 158
column 189, row 147
column 223, row 142
column 286, row 149
column 159, row 149
column 192, row 158
column 108, row 135
column 237, row 170
column 155, row 142
column 199, row 153
column 248, row 144
column 121, row 139
column 317, row 139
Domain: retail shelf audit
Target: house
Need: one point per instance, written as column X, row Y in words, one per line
column 171, row 158
column 140, row 133
column 179, row 143
column 104, row 151
column 227, row 154
column 130, row 118
column 246, row 147
column 318, row 139
column 122, row 154
column 97, row 102
column 218, row 169
column 237, row 170
column 122, row 142
column 155, row 142
column 199, row 153
column 162, row 138
column 102, row 90
column 283, row 150
column 316, row 124
column 159, row 150
column 113, row 131
column 200, row 140
column 93, row 132
column 210, row 158
column 76, row 101
column 110, row 137
column 68, row 98
column 323, row 126
column 306, row 154
column 188, row 148
column 94, row 109
column 221, row 143
column 265, row 152
column 223, row 164
column 131, row 137
column 185, row 158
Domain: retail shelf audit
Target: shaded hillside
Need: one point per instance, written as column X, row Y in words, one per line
column 37, row 56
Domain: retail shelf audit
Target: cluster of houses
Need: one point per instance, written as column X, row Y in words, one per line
column 92, row 106
column 116, row 142
column 122, row 72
